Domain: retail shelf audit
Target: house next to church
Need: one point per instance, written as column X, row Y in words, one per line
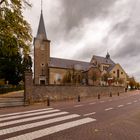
column 50, row 70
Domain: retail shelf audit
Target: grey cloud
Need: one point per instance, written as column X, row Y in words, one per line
column 130, row 49
column 89, row 50
column 120, row 27
column 76, row 11
column 130, row 45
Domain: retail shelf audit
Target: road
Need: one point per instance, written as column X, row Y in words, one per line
column 110, row 118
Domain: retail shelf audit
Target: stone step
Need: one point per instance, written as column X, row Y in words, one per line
column 12, row 99
column 2, row 100
column 11, row 104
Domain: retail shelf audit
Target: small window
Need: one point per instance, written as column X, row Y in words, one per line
column 42, row 82
column 121, row 72
column 113, row 71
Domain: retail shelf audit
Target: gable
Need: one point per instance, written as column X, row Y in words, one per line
column 101, row 60
column 118, row 66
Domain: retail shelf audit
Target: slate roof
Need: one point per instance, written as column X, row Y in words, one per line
column 103, row 60
column 110, row 68
column 41, row 27
column 68, row 64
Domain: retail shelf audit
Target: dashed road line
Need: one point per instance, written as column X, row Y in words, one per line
column 107, row 109
column 89, row 114
column 78, row 105
column 120, row 105
column 129, row 103
column 135, row 101
column 102, row 101
column 92, row 103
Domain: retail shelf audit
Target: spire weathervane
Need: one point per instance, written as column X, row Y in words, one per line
column 41, row 5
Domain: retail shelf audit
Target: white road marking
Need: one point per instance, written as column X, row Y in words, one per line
column 24, row 112
column 129, row 103
column 102, row 101
column 120, row 105
column 36, row 124
column 32, row 118
column 28, row 115
column 92, row 103
column 53, row 129
column 89, row 114
column 135, row 101
column 78, row 105
column 107, row 109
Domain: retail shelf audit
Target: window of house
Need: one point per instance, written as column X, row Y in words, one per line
column 113, row 71
column 58, row 77
column 118, row 73
column 121, row 72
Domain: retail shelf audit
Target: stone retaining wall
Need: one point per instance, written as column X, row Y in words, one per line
column 41, row 93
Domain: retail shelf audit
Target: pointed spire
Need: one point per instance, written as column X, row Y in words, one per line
column 41, row 28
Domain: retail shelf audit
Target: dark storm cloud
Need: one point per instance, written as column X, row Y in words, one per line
column 75, row 11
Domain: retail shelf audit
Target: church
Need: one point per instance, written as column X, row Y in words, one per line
column 49, row 70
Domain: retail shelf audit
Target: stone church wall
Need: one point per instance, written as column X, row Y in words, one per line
column 37, row 93
column 40, row 93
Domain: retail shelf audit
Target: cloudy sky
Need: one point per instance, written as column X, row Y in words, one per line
column 79, row 29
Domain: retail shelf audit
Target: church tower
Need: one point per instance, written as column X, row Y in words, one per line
column 41, row 55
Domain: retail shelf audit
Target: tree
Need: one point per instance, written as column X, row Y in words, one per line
column 27, row 63
column 94, row 77
column 105, row 77
column 11, row 69
column 67, row 78
column 132, row 83
column 15, row 32
column 15, row 37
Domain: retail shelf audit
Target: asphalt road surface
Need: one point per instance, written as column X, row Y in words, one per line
column 110, row 118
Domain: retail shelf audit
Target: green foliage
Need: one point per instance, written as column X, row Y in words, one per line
column 67, row 78
column 132, row 83
column 12, row 68
column 15, row 35
column 72, row 77
column 15, row 32
column 94, row 76
column 105, row 77
column 27, row 63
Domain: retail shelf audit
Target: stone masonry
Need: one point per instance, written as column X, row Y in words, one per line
column 37, row 93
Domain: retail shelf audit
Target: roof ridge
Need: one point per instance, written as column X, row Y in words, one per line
column 69, row 59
